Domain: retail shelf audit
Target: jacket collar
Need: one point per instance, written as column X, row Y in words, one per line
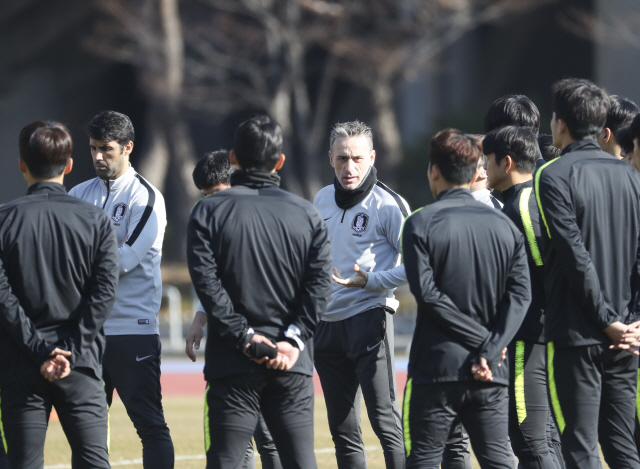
column 255, row 179
column 580, row 145
column 508, row 193
column 45, row 187
column 122, row 181
column 454, row 193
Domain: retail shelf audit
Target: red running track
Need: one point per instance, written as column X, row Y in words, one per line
column 192, row 384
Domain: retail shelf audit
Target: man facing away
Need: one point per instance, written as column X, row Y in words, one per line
column 137, row 212
column 467, row 268
column 512, row 153
column 354, row 342
column 213, row 174
column 589, row 205
column 58, row 277
column 621, row 113
column 260, row 261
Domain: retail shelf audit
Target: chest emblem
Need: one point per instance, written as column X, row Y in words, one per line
column 118, row 212
column 360, row 222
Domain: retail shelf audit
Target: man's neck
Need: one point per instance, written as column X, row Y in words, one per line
column 514, row 178
column 31, row 180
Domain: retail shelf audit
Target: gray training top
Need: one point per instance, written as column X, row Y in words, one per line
column 367, row 234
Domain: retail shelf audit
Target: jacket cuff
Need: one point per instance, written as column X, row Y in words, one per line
column 245, row 338
column 293, row 333
column 373, row 281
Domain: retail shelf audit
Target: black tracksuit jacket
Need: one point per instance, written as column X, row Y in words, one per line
column 467, row 267
column 521, row 208
column 259, row 258
column 589, row 204
column 58, row 279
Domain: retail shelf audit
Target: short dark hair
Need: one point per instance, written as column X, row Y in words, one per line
column 455, row 154
column 519, row 143
column 108, row 126
column 548, row 150
column 582, row 105
column 624, row 138
column 45, row 147
column 257, row 144
column 512, row 109
column 635, row 128
column 212, row 169
column 621, row 113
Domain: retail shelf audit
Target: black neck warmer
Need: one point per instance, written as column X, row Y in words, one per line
column 346, row 199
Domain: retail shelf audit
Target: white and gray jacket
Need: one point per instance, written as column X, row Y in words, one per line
column 367, row 234
column 139, row 217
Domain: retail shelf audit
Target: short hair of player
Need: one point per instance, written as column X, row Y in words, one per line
column 45, row 147
column 582, row 105
column 212, row 169
column 520, row 143
column 455, row 154
column 635, row 128
column 512, row 109
column 621, row 113
column 108, row 126
column 257, row 144
column 548, row 150
column 350, row 129
column 624, row 138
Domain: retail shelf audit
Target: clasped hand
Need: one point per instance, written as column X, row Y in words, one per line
column 57, row 366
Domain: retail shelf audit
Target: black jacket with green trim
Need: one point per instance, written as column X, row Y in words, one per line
column 467, row 268
column 260, row 261
column 521, row 208
column 589, row 205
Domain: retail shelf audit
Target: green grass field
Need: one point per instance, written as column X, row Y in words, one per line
column 184, row 416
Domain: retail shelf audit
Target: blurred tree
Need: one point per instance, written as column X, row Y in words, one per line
column 215, row 58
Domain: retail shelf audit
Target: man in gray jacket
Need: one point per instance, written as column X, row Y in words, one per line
column 354, row 339
column 137, row 211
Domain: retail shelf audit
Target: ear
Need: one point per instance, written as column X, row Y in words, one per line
column 331, row 160
column 22, row 166
column 280, row 161
column 509, row 164
column 562, row 126
column 607, row 134
column 69, row 166
column 128, row 148
column 373, row 157
column 232, row 158
column 435, row 172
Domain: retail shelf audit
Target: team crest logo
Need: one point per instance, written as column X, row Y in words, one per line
column 118, row 212
column 360, row 222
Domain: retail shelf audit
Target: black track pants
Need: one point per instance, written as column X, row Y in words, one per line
column 529, row 412
column 431, row 411
column 593, row 395
column 354, row 358
column 82, row 409
column 232, row 409
column 132, row 367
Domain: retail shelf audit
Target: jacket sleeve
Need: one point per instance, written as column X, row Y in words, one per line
column 102, row 291
column 316, row 285
column 561, row 227
column 513, row 305
column 221, row 316
column 146, row 227
column 440, row 308
column 21, row 329
column 393, row 219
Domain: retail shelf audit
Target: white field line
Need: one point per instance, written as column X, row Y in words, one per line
column 130, row 462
